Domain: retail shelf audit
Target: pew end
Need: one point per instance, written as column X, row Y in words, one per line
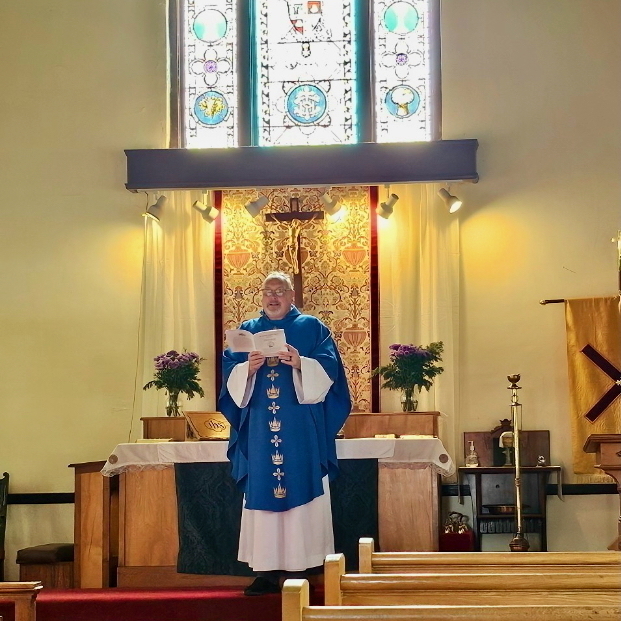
column 366, row 548
column 334, row 569
column 295, row 598
column 24, row 595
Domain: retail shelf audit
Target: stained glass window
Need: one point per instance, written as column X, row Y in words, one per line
column 209, row 84
column 402, row 70
column 304, row 72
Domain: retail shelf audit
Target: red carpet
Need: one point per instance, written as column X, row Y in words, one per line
column 184, row 604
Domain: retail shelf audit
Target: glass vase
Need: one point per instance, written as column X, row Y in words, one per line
column 173, row 408
column 408, row 402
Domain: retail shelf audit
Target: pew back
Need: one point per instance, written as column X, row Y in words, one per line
column 295, row 606
column 371, row 562
column 494, row 588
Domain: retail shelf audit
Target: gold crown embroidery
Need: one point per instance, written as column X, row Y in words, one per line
column 278, row 458
column 280, row 491
column 274, row 425
column 273, row 392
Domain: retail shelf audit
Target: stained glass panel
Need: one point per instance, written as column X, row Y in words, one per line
column 402, row 70
column 209, row 84
column 306, row 83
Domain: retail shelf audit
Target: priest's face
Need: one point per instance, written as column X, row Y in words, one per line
column 276, row 306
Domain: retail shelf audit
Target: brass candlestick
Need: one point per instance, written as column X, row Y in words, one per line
column 519, row 543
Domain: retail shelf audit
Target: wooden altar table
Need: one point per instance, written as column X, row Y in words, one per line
column 126, row 527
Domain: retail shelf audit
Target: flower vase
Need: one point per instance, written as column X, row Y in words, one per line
column 173, row 408
column 408, row 403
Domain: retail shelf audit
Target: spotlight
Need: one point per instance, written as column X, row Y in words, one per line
column 155, row 210
column 207, row 211
column 385, row 209
column 254, row 207
column 330, row 205
column 452, row 202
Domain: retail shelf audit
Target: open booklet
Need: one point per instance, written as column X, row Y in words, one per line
column 268, row 342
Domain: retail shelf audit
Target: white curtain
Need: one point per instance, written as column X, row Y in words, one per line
column 177, row 306
column 419, row 295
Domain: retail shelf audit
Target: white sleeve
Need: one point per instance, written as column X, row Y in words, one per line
column 239, row 385
column 311, row 382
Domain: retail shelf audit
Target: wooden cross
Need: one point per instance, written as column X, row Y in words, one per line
column 295, row 218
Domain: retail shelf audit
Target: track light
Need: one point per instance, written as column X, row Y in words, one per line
column 254, row 207
column 385, row 209
column 155, row 210
column 330, row 205
column 452, row 202
column 208, row 212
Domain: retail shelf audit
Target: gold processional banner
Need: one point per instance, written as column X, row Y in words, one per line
column 594, row 359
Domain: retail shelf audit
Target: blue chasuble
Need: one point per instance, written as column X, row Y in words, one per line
column 280, row 450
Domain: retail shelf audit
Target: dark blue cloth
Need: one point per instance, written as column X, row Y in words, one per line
column 279, row 449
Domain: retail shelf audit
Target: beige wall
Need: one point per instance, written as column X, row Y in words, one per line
column 536, row 82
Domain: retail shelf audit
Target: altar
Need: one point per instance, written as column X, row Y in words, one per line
column 127, row 526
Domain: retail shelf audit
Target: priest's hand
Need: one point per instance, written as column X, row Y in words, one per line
column 255, row 362
column 291, row 357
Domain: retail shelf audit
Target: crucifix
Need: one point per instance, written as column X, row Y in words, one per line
column 297, row 220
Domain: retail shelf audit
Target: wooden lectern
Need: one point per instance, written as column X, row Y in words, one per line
column 607, row 449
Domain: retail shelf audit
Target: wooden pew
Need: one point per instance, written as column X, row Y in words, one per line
column 468, row 589
column 295, row 607
column 24, row 595
column 371, row 562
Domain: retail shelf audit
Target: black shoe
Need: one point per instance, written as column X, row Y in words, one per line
column 261, row 586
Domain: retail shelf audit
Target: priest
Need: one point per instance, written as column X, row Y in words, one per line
column 284, row 413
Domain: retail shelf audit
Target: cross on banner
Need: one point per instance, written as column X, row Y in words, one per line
column 295, row 218
column 609, row 369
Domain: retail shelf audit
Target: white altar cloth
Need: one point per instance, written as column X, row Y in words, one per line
column 164, row 454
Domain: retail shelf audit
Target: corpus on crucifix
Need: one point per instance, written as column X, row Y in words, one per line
column 297, row 221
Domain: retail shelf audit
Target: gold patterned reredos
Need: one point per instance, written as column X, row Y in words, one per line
column 335, row 269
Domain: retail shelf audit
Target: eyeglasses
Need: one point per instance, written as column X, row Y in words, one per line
column 271, row 292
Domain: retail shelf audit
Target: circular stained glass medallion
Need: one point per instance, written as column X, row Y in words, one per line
column 211, row 108
column 402, row 101
column 210, row 25
column 306, row 104
column 400, row 18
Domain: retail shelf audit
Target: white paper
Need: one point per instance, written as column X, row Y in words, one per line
column 269, row 342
